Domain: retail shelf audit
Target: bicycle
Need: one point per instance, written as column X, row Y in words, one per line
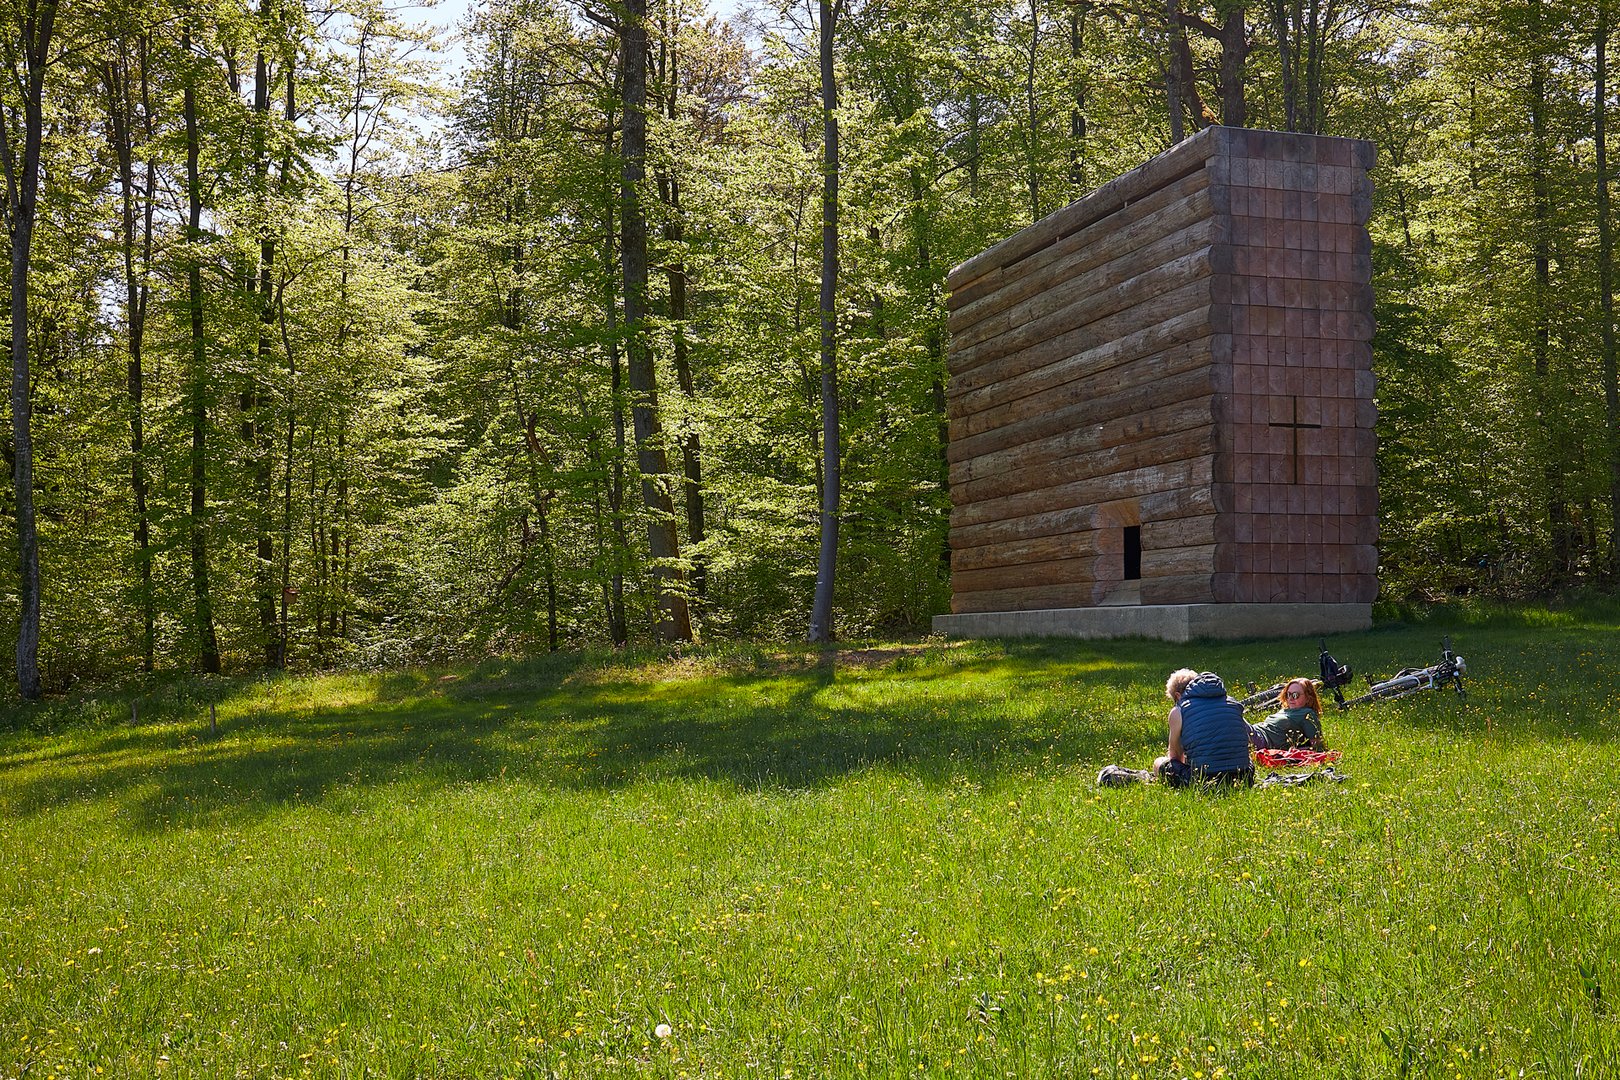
column 1335, row 676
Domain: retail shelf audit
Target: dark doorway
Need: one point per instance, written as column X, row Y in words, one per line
column 1133, row 553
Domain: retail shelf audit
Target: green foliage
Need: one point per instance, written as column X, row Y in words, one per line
column 1492, row 430
column 419, row 427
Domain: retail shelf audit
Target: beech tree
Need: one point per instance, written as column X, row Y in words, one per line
column 27, row 56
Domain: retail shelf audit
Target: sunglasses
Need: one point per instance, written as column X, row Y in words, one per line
column 1292, row 694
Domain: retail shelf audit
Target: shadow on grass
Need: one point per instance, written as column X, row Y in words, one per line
column 568, row 726
column 580, row 722
column 1527, row 680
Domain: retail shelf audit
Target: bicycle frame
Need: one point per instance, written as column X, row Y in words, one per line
column 1262, row 699
column 1336, row 676
column 1448, row 672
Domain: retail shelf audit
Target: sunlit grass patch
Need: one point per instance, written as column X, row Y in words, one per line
column 748, row 862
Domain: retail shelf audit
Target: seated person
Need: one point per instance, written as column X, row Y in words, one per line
column 1297, row 724
column 1208, row 737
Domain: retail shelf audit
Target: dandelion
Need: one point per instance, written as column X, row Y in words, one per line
column 663, row 1031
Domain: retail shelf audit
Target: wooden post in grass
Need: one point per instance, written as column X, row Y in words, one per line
column 213, row 719
column 134, row 713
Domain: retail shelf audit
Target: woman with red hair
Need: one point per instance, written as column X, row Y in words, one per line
column 1297, row 723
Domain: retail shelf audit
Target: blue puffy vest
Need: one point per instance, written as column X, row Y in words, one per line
column 1213, row 733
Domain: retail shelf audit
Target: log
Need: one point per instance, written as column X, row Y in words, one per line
column 1188, row 442
column 1184, row 589
column 1130, row 237
column 1172, row 433
column 1177, row 532
column 1071, row 545
column 1086, row 297
column 1069, row 520
column 1083, row 306
column 1178, row 562
column 1057, row 572
column 1005, row 286
column 1204, row 498
column 1079, row 352
column 1077, row 290
column 1179, row 499
column 1131, row 413
column 1032, row 598
column 1185, row 157
column 1179, row 344
column 1092, row 489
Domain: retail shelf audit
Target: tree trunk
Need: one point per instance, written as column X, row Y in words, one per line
column 22, row 202
column 934, row 345
column 691, row 441
column 1315, row 33
column 1551, row 419
column 1605, row 223
column 821, row 613
column 284, row 627
column 975, row 123
column 1234, row 41
column 1077, row 111
column 1287, row 53
column 1032, row 129
column 197, row 399
column 618, row 630
column 548, row 552
column 1172, row 70
column 1302, row 31
column 528, row 421
column 674, row 621
column 256, row 434
column 617, row 542
column 669, row 190
column 317, row 542
column 136, row 237
column 339, row 539
column 342, row 538
column 1182, row 77
column 285, row 593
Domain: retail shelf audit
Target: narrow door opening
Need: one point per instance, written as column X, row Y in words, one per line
column 1133, row 553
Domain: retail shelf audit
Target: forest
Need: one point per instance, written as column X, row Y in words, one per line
column 633, row 331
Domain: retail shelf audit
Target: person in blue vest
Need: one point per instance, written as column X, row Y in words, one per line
column 1209, row 739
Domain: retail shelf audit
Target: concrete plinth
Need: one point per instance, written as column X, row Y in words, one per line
column 1167, row 622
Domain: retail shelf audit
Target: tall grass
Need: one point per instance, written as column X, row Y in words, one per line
column 881, row 861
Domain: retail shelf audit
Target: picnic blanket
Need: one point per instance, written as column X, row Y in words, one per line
column 1115, row 776
column 1325, row 774
column 1293, row 759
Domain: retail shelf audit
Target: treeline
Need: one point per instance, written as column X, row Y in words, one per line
column 317, row 359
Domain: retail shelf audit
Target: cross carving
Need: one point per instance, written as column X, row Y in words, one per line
column 1296, row 427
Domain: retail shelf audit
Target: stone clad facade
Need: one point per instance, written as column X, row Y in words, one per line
column 1163, row 394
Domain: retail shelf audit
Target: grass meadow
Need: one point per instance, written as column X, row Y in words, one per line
column 887, row 860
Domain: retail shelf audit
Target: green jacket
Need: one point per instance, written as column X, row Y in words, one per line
column 1286, row 729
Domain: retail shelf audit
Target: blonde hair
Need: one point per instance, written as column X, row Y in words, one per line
column 1177, row 682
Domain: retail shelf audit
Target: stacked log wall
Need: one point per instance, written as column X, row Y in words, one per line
column 1112, row 365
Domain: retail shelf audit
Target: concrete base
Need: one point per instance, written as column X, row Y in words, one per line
column 1168, row 622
